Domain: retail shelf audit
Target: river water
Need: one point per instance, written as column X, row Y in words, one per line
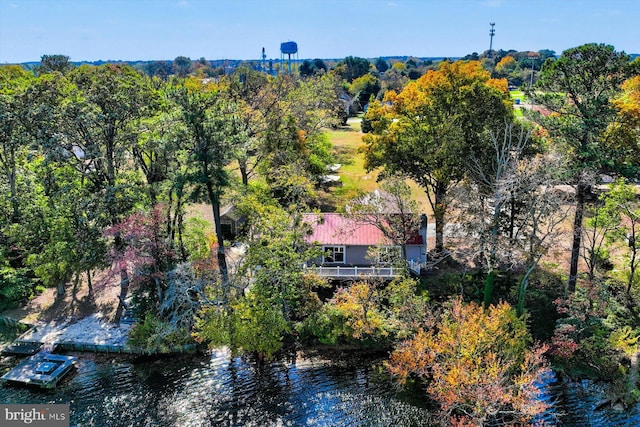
column 220, row 390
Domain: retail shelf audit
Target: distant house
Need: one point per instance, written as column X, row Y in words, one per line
column 230, row 221
column 347, row 245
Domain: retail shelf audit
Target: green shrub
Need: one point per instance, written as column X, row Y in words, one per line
column 16, row 287
column 154, row 334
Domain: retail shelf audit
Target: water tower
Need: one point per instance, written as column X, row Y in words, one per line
column 288, row 48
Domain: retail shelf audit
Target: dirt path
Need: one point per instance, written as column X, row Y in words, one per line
column 76, row 304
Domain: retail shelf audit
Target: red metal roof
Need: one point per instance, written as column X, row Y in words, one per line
column 337, row 229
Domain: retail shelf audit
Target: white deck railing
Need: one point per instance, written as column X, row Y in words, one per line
column 355, row 271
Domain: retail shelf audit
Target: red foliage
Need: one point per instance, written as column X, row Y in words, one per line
column 140, row 246
column 588, row 302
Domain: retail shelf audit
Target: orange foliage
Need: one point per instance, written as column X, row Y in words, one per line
column 628, row 104
column 448, row 79
column 506, row 63
column 477, row 364
column 625, row 130
column 500, row 84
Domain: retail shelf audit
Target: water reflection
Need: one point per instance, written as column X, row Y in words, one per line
column 220, row 390
column 574, row 404
column 225, row 391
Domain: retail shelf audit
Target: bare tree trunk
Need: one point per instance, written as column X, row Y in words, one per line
column 633, row 262
column 438, row 214
column 76, row 282
column 183, row 252
column 244, row 173
column 124, row 290
column 60, row 292
column 489, row 283
column 89, row 284
column 512, row 215
column 15, row 216
column 633, row 373
column 581, row 191
column 522, row 291
column 170, row 225
column 222, row 258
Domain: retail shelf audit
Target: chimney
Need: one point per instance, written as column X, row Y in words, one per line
column 423, row 233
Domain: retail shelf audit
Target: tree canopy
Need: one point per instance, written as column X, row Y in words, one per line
column 578, row 89
column 430, row 127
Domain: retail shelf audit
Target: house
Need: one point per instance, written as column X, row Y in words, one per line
column 348, row 244
column 230, row 221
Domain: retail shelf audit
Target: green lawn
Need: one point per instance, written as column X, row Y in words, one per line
column 518, row 94
column 347, row 142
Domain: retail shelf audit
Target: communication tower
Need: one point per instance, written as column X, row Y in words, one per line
column 492, row 32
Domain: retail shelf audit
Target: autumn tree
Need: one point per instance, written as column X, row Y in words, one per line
column 428, row 130
column 258, row 98
column 477, row 364
column 578, row 89
column 394, row 78
column 623, row 135
column 355, row 312
column 281, row 122
column 146, row 256
column 297, row 149
column 371, row 313
column 624, row 132
column 506, row 64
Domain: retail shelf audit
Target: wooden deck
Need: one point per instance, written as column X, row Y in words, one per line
column 42, row 369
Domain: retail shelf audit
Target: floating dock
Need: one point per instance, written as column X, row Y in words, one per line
column 42, row 369
column 22, row 349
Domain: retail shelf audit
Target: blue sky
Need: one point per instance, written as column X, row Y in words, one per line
column 238, row 29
